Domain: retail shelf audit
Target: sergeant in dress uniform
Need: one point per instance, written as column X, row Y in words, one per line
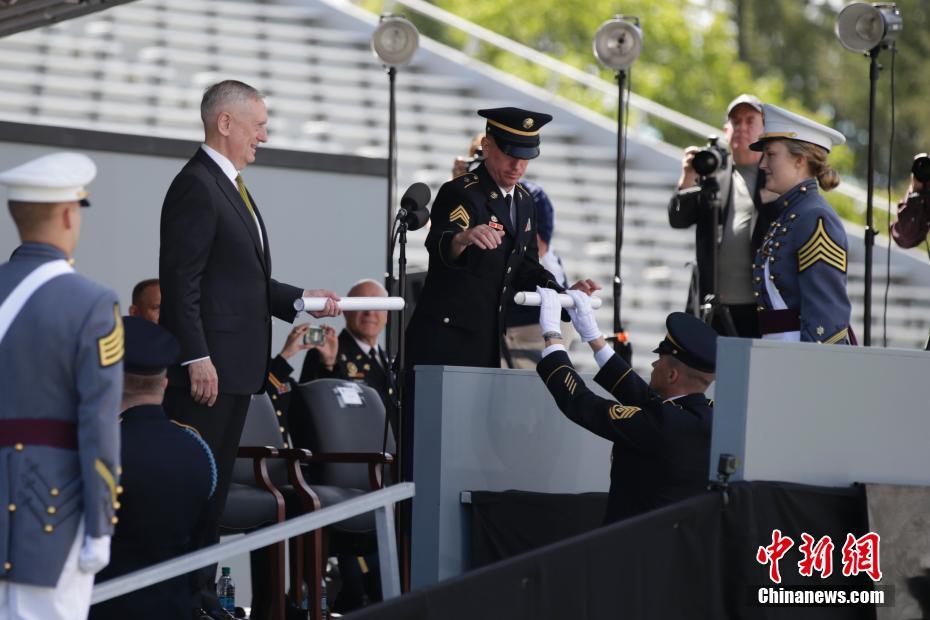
column 799, row 273
column 660, row 430
column 482, row 247
column 168, row 476
column 61, row 350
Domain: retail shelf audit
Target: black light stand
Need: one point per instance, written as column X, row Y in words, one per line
column 392, row 181
column 617, row 44
column 867, row 28
column 621, row 342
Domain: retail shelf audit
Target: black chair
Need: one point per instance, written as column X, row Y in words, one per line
column 345, row 434
column 267, row 486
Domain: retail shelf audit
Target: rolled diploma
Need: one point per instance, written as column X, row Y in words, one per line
column 315, row 304
column 526, row 298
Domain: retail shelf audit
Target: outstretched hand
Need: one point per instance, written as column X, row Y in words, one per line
column 582, row 316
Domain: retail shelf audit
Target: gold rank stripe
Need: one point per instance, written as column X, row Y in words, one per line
column 107, row 477
column 621, row 412
column 557, row 370
column 460, row 214
column 274, row 380
column 110, row 347
column 820, row 247
column 571, row 383
column 840, row 335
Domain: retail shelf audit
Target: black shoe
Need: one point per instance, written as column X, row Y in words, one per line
column 213, row 614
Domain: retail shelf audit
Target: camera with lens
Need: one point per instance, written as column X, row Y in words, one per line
column 315, row 335
column 474, row 160
column 711, row 159
column 921, row 167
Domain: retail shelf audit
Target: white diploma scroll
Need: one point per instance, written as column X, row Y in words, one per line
column 315, row 304
column 525, row 298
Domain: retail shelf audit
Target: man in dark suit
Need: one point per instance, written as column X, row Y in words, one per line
column 168, row 476
column 218, row 296
column 660, row 429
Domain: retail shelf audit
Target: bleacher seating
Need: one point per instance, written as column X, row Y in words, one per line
column 140, row 68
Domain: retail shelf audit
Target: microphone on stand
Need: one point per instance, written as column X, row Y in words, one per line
column 413, row 211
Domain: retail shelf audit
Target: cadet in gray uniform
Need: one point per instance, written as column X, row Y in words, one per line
column 61, row 350
column 799, row 274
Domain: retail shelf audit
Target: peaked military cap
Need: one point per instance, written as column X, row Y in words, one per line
column 150, row 348
column 515, row 131
column 782, row 124
column 53, row 178
column 691, row 341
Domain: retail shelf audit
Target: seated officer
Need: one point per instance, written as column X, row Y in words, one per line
column 356, row 355
column 168, row 476
column 661, row 430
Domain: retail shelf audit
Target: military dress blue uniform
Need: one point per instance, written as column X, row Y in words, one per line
column 799, row 274
column 459, row 317
column 168, row 475
column 661, row 446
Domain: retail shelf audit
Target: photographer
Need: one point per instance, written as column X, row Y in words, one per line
column 913, row 221
column 742, row 219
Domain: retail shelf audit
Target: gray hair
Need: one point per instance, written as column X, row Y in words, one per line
column 223, row 94
column 365, row 281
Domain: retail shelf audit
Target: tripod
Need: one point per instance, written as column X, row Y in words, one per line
column 712, row 310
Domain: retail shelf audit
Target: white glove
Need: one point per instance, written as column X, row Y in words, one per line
column 583, row 316
column 94, row 555
column 550, row 310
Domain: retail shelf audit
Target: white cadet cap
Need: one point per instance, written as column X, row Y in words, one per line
column 780, row 124
column 58, row 177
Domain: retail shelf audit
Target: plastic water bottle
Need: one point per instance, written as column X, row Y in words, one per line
column 324, row 605
column 226, row 591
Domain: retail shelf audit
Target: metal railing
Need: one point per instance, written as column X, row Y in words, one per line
column 381, row 502
column 698, row 128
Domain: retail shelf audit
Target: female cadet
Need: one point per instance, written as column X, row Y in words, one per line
column 799, row 273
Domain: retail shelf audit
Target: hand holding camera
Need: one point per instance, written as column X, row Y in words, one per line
column 306, row 336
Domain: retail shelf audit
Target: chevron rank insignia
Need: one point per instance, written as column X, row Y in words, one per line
column 110, row 347
column 571, row 383
column 820, row 247
column 460, row 216
column 619, row 412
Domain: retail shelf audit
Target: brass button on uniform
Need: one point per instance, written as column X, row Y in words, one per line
column 509, row 269
column 281, row 428
column 285, row 445
column 7, row 566
column 117, row 505
column 53, row 492
column 48, row 528
column 11, row 507
column 274, row 397
column 51, row 510
column 445, row 320
column 119, row 490
column 278, row 413
column 18, row 447
column 114, row 520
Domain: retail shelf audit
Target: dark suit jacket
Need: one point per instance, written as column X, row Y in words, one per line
column 218, row 296
column 353, row 364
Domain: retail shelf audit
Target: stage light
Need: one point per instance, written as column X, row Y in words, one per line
column 395, row 41
column 861, row 27
column 618, row 43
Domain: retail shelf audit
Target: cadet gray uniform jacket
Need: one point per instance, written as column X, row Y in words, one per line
column 799, row 274
column 61, row 384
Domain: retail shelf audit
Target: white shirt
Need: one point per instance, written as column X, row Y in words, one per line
column 230, row 171
column 366, row 348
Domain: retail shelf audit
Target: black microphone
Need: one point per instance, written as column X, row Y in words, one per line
column 413, row 211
